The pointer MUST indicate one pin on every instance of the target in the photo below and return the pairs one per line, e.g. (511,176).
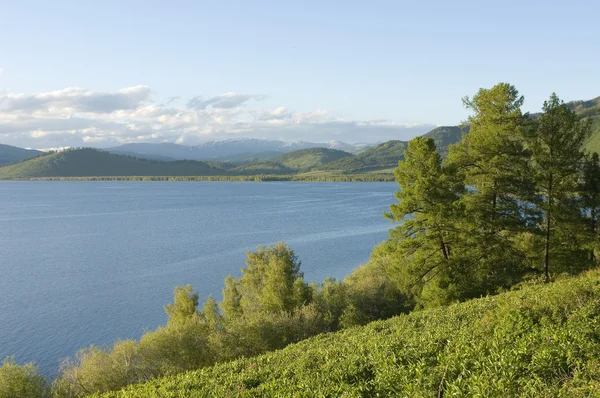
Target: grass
(541,341)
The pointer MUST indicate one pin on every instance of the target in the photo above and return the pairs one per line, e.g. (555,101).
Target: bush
(21,381)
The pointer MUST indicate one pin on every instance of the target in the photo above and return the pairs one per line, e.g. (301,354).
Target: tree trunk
(444,249)
(548,225)
(593,230)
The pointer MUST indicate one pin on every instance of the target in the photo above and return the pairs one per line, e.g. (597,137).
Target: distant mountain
(12,154)
(234,150)
(91,162)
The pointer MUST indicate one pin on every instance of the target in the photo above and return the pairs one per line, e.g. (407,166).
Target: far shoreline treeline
(379,177)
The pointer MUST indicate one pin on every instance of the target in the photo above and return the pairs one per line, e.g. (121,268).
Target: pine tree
(493,163)
(424,240)
(555,145)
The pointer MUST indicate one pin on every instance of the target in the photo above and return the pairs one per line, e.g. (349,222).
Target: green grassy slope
(541,341)
(11,154)
(293,162)
(90,162)
(306,159)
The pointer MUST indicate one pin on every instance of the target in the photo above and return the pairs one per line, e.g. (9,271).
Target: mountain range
(231,150)
(240,157)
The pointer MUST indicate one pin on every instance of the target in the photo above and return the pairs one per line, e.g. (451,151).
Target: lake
(92,262)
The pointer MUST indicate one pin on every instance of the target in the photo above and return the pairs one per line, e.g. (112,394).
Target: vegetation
(21,381)
(514,204)
(311,158)
(267,308)
(541,341)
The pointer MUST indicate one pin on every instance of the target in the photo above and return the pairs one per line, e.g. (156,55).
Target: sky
(103,73)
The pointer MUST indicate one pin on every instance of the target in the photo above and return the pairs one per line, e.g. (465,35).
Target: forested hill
(12,154)
(92,162)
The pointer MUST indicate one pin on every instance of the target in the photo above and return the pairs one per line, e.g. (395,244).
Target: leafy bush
(21,381)
(542,341)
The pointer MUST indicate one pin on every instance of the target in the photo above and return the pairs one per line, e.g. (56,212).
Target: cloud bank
(78,117)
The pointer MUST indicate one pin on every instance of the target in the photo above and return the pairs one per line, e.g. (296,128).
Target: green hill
(541,341)
(294,162)
(91,162)
(311,158)
(585,108)
(444,136)
(380,157)
(12,154)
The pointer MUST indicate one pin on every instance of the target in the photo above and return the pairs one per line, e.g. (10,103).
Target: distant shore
(374,177)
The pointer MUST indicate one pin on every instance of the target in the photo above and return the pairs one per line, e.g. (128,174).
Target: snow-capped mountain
(230,149)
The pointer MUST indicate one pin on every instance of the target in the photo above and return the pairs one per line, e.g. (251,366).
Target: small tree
(21,381)
(271,281)
(183,308)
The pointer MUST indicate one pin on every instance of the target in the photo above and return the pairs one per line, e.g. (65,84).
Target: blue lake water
(91,262)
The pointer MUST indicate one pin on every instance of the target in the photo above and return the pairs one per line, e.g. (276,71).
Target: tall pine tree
(556,144)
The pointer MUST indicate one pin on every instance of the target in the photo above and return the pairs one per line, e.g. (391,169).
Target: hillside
(12,154)
(380,157)
(541,341)
(444,136)
(585,108)
(91,162)
(299,161)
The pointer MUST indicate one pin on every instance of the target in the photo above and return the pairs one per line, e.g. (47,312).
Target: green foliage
(424,240)
(183,308)
(268,281)
(21,380)
(509,199)
(539,341)
(555,144)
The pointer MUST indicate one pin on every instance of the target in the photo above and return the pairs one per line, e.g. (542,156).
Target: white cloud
(224,101)
(74,99)
(77,117)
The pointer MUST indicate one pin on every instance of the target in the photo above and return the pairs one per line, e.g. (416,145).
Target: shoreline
(251,178)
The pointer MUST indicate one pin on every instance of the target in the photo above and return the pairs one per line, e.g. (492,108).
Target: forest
(513,205)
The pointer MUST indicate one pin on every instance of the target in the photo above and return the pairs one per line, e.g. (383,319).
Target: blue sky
(194,71)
